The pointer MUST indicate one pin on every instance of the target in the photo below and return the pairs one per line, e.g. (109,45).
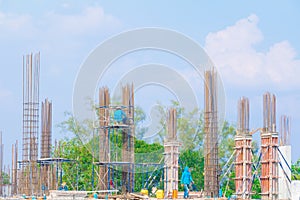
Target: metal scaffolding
(111,156)
(269,146)
(29,172)
(243,160)
(211,156)
(171,146)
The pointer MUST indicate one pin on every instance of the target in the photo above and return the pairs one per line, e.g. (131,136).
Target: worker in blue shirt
(186,180)
(120,116)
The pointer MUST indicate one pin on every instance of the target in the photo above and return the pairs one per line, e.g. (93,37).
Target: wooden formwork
(243,147)
(269,166)
(243,166)
(269,145)
(171,154)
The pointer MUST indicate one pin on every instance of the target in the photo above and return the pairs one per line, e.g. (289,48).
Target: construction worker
(112,185)
(120,116)
(63,186)
(186,180)
(95,195)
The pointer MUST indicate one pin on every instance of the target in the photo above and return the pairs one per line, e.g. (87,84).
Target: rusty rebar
(285,130)
(243,160)
(211,156)
(269,145)
(31,75)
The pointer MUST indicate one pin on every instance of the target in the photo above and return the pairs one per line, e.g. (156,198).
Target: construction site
(37,172)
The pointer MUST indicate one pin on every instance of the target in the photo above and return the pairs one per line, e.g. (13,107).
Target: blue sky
(254,44)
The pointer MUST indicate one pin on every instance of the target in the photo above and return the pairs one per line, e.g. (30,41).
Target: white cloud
(11,23)
(64,37)
(66,5)
(233,51)
(4,94)
(91,19)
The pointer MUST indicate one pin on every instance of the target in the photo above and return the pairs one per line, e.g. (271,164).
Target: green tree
(193,159)
(77,172)
(296,170)
(5,178)
(82,143)
(189,126)
(139,118)
(190,129)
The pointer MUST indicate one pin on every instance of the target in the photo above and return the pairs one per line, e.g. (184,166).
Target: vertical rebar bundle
(14,165)
(128,137)
(211,156)
(46,122)
(104,101)
(243,163)
(171,147)
(46,177)
(285,159)
(172,125)
(285,130)
(243,116)
(269,111)
(269,145)
(109,129)
(31,76)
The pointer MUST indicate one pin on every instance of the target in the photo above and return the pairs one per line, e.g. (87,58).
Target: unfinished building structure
(269,146)
(47,171)
(111,156)
(46,136)
(34,175)
(28,176)
(284,150)
(211,156)
(14,164)
(104,102)
(171,154)
(243,155)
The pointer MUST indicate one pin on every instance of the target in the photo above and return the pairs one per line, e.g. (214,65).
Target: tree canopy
(190,129)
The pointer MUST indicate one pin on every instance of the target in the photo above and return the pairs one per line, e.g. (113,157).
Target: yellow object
(144,192)
(160,194)
(174,194)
